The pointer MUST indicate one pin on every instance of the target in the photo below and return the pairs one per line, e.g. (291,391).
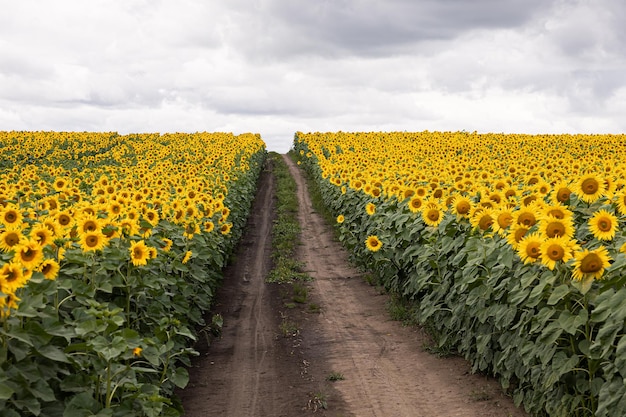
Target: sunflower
(503,220)
(415,204)
(620,200)
(11,216)
(29,254)
(64,219)
(187,257)
(603,225)
(557,249)
(50,269)
(9,238)
(529,248)
(42,235)
(482,219)
(370,208)
(89,223)
(92,241)
(12,277)
(561,193)
(372,243)
(225,228)
(190,230)
(590,263)
(516,234)
(461,206)
(340,218)
(589,188)
(167,244)
(432,215)
(551,227)
(7,303)
(209,226)
(526,216)
(139,253)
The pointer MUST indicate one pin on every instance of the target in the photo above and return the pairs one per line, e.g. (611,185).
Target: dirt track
(254,370)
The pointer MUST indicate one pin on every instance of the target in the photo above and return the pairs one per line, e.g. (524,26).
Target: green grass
(286,228)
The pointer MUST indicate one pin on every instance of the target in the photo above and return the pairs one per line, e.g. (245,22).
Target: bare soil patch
(257,368)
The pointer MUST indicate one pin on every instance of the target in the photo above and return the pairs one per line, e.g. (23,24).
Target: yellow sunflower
(432,215)
(50,269)
(225,228)
(12,277)
(89,223)
(167,244)
(29,254)
(482,219)
(561,193)
(526,216)
(9,238)
(516,234)
(620,200)
(529,249)
(551,227)
(462,206)
(11,216)
(372,243)
(590,263)
(139,253)
(190,230)
(340,218)
(415,204)
(92,241)
(209,226)
(370,208)
(603,225)
(187,257)
(557,249)
(589,188)
(42,235)
(503,220)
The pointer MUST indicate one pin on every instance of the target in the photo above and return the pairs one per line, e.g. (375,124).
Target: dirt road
(254,370)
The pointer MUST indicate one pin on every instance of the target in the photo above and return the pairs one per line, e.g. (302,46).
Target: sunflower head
(373,243)
(590,263)
(529,249)
(603,225)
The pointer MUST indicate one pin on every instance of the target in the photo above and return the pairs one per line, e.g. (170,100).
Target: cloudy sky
(275,67)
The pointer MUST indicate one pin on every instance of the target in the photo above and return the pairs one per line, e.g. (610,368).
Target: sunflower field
(510,249)
(110,249)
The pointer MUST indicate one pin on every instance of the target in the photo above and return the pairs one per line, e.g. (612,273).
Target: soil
(334,353)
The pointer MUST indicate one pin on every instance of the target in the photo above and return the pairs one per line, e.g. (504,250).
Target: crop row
(510,247)
(110,249)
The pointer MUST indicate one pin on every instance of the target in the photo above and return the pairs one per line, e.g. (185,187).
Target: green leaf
(180,377)
(5,391)
(558,293)
(53,353)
